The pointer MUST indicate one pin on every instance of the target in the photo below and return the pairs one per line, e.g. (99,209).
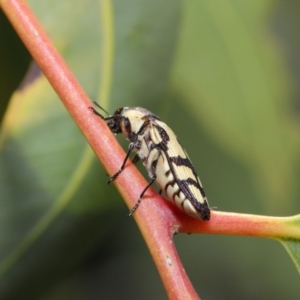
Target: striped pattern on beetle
(163,157)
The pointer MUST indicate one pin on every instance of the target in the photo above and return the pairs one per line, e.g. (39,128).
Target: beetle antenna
(101,107)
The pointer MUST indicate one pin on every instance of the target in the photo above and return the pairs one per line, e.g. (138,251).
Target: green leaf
(290,238)
(292,246)
(230,75)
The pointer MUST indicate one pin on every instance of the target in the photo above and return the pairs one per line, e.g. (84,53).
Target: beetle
(165,160)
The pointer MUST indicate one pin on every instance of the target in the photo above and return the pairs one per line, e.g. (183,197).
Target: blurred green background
(223,74)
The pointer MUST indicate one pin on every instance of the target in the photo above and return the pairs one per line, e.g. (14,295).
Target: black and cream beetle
(163,157)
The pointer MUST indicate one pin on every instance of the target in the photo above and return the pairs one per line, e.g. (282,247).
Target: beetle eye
(114,126)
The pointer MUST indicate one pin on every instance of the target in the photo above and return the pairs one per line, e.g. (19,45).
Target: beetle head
(114,121)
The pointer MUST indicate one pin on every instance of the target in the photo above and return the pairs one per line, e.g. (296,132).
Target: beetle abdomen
(178,190)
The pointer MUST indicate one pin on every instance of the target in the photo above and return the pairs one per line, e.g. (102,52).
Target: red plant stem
(153,217)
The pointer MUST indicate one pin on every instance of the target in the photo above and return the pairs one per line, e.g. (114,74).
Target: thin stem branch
(246,225)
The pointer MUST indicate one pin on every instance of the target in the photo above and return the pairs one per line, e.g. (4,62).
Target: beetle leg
(153,178)
(131,147)
(141,196)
